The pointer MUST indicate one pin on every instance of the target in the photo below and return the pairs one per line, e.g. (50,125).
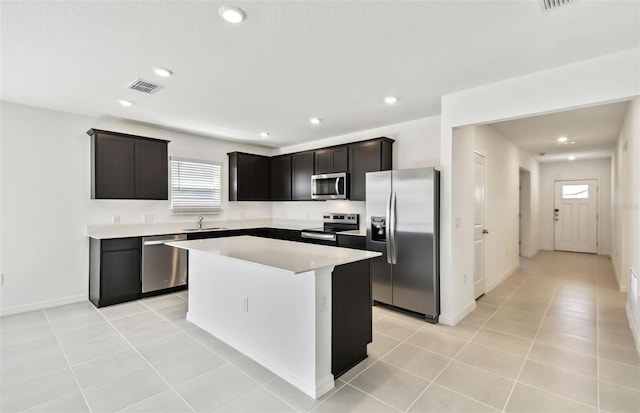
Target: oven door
(330,186)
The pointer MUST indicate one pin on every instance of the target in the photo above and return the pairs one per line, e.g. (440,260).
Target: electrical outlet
(245,304)
(148,218)
(2,279)
(465,277)
(115,219)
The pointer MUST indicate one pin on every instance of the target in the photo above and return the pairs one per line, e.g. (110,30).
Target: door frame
(484,218)
(553,206)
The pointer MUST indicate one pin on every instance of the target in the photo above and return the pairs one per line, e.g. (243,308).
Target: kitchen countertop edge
(149,230)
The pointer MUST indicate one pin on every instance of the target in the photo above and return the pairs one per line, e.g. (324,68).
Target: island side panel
(279,319)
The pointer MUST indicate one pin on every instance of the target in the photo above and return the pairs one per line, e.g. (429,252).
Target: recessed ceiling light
(232,14)
(562,139)
(125,103)
(315,121)
(391,100)
(573,142)
(264,134)
(161,71)
(572,158)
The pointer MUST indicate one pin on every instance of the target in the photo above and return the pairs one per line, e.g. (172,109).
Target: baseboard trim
(452,321)
(634,330)
(43,304)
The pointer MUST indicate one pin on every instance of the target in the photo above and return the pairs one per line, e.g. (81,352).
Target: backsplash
(313,210)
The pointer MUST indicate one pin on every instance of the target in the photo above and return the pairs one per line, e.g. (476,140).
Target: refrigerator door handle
(392,230)
(388,230)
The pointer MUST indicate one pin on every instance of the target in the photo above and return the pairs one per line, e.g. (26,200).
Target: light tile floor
(553,337)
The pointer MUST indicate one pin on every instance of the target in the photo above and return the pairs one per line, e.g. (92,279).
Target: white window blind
(196,186)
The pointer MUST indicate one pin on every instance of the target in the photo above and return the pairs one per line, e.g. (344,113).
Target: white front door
(575,216)
(478,222)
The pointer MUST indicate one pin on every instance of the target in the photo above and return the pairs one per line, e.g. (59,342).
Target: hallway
(552,337)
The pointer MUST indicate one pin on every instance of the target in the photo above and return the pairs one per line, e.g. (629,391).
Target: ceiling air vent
(144,86)
(553,4)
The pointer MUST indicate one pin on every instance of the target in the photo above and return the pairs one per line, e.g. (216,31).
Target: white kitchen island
(271,300)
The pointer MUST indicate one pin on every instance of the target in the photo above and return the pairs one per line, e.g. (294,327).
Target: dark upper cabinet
(248,177)
(367,156)
(280,168)
(331,160)
(151,169)
(128,166)
(301,171)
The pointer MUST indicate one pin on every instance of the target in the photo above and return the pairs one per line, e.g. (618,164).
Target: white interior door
(575,217)
(479,173)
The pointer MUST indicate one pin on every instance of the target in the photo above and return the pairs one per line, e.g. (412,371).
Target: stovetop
(335,222)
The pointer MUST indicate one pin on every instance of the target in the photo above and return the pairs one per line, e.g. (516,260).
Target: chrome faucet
(200,219)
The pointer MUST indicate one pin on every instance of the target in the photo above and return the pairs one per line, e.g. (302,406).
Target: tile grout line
(263,385)
(452,359)
(150,365)
(533,341)
(64,353)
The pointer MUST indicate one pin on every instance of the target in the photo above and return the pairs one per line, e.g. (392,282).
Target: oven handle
(315,235)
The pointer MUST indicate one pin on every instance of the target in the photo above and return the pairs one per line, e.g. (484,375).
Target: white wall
(44,248)
(417,144)
(46,205)
(626,208)
(598,169)
(503,163)
(604,79)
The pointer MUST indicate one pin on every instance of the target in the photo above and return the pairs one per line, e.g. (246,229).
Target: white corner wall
(598,169)
(626,212)
(604,79)
(46,206)
(502,206)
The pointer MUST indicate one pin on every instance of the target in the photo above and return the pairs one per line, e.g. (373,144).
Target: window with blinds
(196,186)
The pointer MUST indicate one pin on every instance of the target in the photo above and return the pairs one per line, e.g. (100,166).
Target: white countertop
(144,230)
(296,257)
(355,232)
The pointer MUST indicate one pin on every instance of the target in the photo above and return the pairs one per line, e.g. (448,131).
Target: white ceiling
(289,60)
(594,130)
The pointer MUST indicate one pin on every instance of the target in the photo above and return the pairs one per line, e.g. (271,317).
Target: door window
(575,191)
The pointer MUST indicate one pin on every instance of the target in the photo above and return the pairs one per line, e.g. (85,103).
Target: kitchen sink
(202,229)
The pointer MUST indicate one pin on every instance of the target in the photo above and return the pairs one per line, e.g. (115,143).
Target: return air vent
(144,86)
(553,4)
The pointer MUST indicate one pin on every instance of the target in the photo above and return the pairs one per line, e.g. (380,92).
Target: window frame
(215,209)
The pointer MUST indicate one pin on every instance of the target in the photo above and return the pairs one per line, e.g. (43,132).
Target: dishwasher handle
(163,239)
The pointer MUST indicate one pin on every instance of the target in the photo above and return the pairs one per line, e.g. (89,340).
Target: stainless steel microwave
(330,186)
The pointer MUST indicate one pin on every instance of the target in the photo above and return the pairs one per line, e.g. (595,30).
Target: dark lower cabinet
(351,321)
(114,272)
(301,172)
(352,241)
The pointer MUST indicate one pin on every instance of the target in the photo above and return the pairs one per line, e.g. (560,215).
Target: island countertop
(290,256)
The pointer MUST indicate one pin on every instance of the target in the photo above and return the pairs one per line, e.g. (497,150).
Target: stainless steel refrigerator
(403,224)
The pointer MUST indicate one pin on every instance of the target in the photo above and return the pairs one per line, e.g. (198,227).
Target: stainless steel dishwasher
(163,266)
